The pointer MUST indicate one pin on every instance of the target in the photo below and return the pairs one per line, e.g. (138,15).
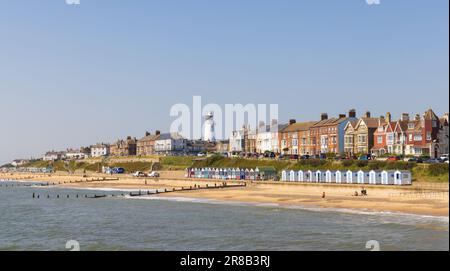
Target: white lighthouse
(209,134)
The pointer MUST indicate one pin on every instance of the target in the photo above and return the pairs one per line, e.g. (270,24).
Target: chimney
(367,115)
(388,117)
(381,120)
(323,116)
(342,116)
(417,117)
(158,132)
(128,137)
(352,113)
(405,117)
(292,121)
(147,133)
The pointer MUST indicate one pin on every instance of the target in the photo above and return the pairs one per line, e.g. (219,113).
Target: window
(428,135)
(411,125)
(380,139)
(417,137)
(294,142)
(410,137)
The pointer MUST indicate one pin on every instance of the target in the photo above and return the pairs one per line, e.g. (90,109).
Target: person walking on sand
(323,195)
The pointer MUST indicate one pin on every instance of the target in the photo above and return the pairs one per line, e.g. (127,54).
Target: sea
(76,221)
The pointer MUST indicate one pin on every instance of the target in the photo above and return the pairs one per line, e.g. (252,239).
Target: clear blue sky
(77,75)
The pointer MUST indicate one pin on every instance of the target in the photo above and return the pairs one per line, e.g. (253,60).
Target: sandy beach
(421,198)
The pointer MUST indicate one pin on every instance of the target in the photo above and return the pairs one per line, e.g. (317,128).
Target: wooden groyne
(141,193)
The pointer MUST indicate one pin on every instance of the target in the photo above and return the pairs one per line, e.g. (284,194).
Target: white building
(100,150)
(53,156)
(170,143)
(237,141)
(209,133)
(267,137)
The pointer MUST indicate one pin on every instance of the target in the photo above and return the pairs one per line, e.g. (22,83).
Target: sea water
(182,224)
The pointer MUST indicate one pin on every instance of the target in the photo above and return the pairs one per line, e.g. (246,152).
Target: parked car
(415,160)
(154,174)
(393,158)
(364,158)
(139,174)
(201,154)
(118,170)
(294,157)
(433,161)
(305,157)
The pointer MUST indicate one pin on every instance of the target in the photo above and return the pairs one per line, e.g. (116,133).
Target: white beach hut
(317,176)
(363,177)
(300,176)
(284,176)
(374,177)
(293,176)
(329,176)
(257,174)
(309,176)
(349,176)
(402,177)
(388,177)
(338,176)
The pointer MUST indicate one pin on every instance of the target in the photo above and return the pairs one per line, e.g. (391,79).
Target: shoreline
(430,201)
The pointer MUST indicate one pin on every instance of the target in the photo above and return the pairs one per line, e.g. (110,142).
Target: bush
(437,169)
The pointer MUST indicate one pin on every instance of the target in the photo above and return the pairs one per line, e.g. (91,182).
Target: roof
(329,122)
(429,115)
(371,122)
(166,136)
(299,126)
(149,138)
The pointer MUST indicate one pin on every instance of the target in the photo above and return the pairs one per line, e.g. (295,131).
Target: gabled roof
(430,115)
(369,122)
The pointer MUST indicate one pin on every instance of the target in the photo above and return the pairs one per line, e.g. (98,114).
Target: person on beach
(323,195)
(356,194)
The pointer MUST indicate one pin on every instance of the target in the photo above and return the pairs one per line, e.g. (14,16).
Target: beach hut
(284,175)
(229,173)
(363,177)
(247,174)
(267,173)
(338,176)
(257,176)
(318,176)
(329,176)
(242,174)
(388,177)
(402,177)
(349,176)
(233,174)
(309,176)
(300,176)
(375,177)
(252,174)
(292,176)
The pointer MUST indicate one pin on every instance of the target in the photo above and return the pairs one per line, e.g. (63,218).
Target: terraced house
(146,145)
(295,139)
(125,147)
(328,135)
(361,134)
(427,135)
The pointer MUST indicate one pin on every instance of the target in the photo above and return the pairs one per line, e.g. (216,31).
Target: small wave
(391,217)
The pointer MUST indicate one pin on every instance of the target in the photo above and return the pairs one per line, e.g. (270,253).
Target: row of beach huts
(260,173)
(385,177)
